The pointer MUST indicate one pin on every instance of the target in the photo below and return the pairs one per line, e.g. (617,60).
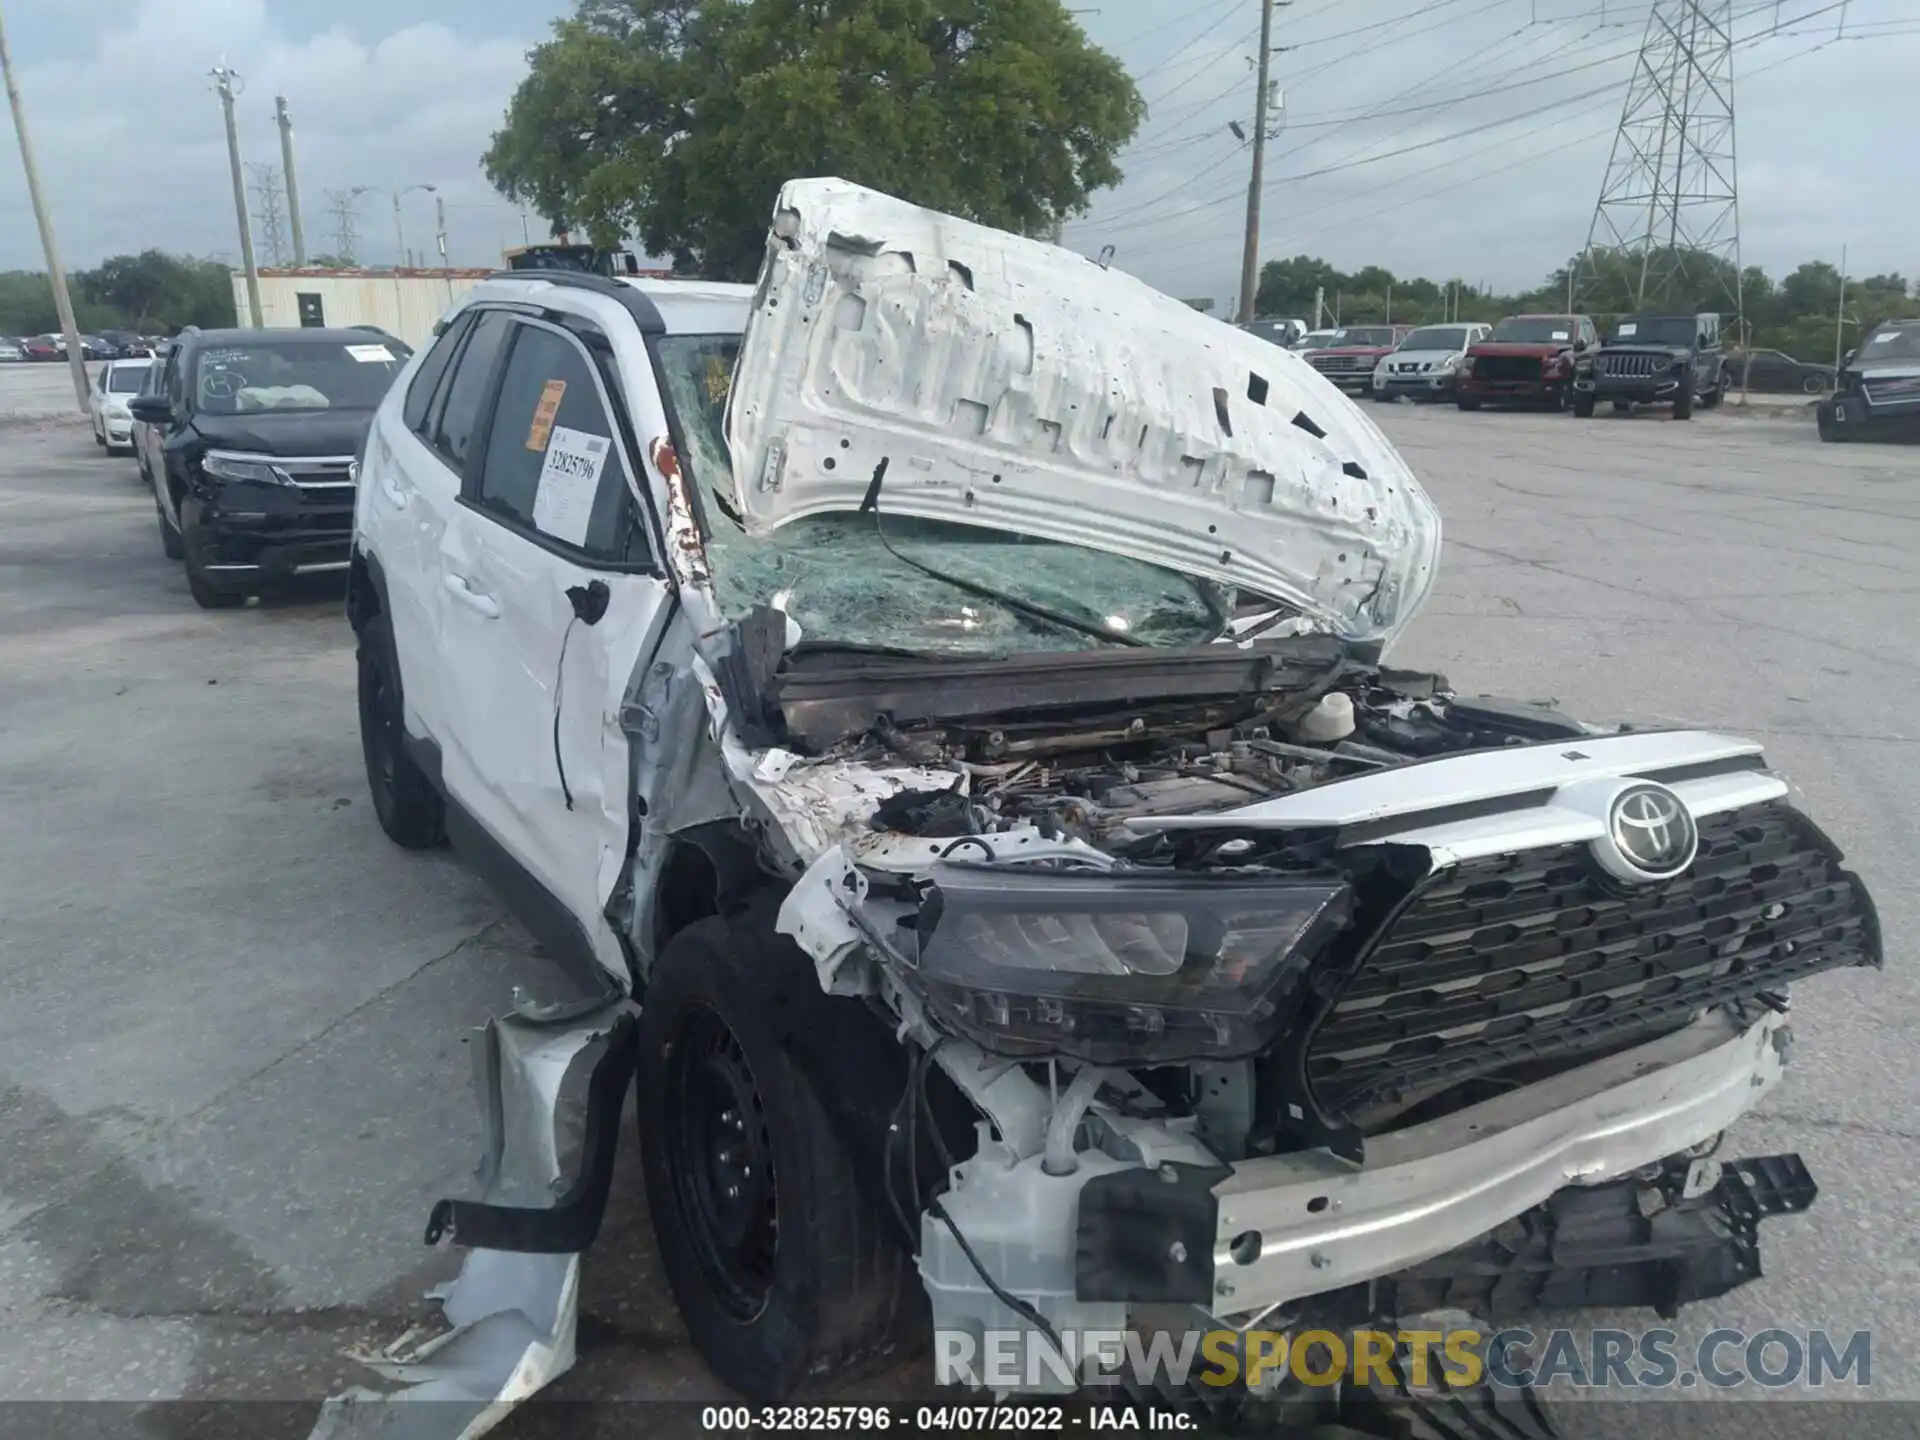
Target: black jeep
(1878,389)
(1654,360)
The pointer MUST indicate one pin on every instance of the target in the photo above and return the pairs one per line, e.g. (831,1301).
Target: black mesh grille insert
(1525,956)
(1506,369)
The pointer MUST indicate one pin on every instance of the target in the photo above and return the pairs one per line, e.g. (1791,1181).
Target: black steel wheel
(405,802)
(722,1162)
(784,1269)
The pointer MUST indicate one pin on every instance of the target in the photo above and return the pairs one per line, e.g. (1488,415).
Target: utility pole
(1250,254)
(223,79)
(285,122)
(266,190)
(62,302)
(1840,319)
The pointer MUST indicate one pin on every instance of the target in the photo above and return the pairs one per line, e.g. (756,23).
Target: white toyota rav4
(933,703)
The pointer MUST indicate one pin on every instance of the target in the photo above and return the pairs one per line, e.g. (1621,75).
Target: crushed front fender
(514,1306)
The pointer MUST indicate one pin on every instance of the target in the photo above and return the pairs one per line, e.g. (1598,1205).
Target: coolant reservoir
(1329,720)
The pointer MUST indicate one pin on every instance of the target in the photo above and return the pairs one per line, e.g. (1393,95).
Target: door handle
(396,497)
(461,590)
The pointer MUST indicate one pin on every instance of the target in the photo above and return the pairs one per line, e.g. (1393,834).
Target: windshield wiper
(871,501)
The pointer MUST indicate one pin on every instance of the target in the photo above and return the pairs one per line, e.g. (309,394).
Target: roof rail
(635,301)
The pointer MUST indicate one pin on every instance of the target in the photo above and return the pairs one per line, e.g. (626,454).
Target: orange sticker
(542,428)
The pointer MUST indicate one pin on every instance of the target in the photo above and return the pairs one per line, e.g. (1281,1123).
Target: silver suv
(931,704)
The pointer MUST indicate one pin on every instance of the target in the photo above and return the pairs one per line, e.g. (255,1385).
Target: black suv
(1654,360)
(260,434)
(1878,388)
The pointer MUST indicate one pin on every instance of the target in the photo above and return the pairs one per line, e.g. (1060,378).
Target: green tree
(155,290)
(678,120)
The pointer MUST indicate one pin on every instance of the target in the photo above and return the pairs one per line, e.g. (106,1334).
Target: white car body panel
(1014,385)
(108,408)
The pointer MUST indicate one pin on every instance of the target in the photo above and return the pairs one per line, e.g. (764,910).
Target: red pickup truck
(1527,361)
(1350,359)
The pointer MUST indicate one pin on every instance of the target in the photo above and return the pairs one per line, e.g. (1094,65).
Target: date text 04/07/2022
(940,1419)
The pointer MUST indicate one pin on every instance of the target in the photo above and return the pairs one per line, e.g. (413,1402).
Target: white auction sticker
(1559,334)
(371,354)
(1627,330)
(569,479)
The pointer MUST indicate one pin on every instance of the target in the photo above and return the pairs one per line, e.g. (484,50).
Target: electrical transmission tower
(344,240)
(271,201)
(1666,230)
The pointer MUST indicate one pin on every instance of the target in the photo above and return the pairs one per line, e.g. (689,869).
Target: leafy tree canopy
(147,293)
(679,120)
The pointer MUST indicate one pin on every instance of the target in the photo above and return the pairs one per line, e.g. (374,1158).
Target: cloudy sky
(1451,138)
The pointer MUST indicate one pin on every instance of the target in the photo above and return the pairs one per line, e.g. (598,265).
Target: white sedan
(114,384)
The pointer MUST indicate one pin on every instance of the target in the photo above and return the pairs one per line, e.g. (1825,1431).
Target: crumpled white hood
(1012,384)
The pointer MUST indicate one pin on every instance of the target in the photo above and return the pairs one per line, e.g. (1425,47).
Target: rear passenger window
(426,379)
(452,432)
(551,463)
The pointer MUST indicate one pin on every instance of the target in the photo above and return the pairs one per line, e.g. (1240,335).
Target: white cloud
(142,161)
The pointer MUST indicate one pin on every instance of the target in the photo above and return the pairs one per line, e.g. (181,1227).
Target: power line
(1125,220)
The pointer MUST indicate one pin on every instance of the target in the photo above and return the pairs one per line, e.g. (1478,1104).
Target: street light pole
(223,79)
(62,302)
(399,230)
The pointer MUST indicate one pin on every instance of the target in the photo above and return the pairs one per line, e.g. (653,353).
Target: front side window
(458,418)
(426,380)
(861,579)
(284,377)
(552,463)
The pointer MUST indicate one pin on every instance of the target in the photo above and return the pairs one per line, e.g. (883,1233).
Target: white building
(403,302)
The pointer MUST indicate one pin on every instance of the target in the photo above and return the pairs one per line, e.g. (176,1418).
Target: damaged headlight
(228,465)
(1119,969)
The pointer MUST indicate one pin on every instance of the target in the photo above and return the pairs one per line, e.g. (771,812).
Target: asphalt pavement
(234,1061)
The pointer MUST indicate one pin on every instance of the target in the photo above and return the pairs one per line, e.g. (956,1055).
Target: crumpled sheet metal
(513,1315)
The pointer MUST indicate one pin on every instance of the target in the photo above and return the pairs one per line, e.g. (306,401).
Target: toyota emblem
(1649,833)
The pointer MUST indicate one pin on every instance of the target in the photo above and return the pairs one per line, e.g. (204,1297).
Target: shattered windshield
(258,376)
(847,580)
(1892,342)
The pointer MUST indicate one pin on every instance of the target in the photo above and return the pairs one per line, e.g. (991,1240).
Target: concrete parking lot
(233,1059)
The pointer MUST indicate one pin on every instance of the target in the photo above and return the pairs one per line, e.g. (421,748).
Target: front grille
(1507,369)
(1411,367)
(1532,955)
(1342,364)
(325,472)
(1902,391)
(1634,366)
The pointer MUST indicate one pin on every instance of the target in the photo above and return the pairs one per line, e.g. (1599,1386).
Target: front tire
(405,802)
(206,593)
(1683,405)
(787,1276)
(1583,406)
(1463,402)
(170,545)
(1830,432)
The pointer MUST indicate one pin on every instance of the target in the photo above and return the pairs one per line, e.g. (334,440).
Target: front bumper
(252,533)
(1471,387)
(1298,1225)
(1853,413)
(1639,390)
(1416,387)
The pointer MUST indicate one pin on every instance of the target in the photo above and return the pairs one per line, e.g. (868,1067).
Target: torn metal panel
(513,1310)
(1016,386)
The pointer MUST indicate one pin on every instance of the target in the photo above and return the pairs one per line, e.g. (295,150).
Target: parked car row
(1560,362)
(250,441)
(109,345)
